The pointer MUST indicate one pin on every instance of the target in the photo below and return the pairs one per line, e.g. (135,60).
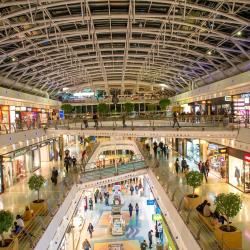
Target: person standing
(175,119)
(177,166)
(167,152)
(150,238)
(90,230)
(183,164)
(200,165)
(67,163)
(95,118)
(136,209)
(155,147)
(160,230)
(130,209)
(85,121)
(90,204)
(207,167)
(203,170)
(74,161)
(131,189)
(54,175)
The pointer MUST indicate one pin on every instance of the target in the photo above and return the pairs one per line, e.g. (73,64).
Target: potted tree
(194,179)
(229,206)
(103,109)
(164,103)
(35,183)
(6,220)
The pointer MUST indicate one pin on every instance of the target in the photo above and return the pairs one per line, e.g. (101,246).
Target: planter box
(39,208)
(192,203)
(229,240)
(12,246)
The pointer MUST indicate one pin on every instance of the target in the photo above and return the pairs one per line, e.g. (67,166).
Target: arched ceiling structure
(48,45)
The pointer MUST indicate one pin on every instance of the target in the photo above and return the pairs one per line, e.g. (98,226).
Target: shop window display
(217,156)
(236,172)
(193,150)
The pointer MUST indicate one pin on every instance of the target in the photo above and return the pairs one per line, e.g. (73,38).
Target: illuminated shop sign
(247,157)
(246,95)
(156,217)
(228,98)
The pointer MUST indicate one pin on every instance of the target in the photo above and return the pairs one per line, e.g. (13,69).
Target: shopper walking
(130,209)
(74,161)
(167,152)
(67,160)
(54,175)
(86,245)
(150,238)
(177,166)
(90,230)
(136,209)
(207,165)
(85,122)
(90,204)
(200,165)
(132,189)
(155,148)
(203,170)
(95,118)
(183,164)
(175,119)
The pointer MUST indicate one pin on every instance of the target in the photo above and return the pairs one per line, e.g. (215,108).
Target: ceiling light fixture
(209,53)
(239,33)
(13,59)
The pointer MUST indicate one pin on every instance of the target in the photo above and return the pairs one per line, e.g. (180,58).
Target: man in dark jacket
(150,238)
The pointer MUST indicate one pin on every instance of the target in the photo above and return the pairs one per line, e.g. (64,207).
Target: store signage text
(156,217)
(247,157)
(228,98)
(150,202)
(246,95)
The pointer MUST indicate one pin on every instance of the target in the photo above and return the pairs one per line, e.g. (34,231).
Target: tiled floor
(136,229)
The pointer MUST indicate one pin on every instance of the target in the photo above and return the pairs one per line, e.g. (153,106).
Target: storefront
(218,160)
(1,175)
(241,106)
(193,149)
(239,169)
(4,116)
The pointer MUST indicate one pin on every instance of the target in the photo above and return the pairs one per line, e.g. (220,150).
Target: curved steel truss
(127,44)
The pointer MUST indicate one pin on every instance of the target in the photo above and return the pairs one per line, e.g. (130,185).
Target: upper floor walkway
(215,129)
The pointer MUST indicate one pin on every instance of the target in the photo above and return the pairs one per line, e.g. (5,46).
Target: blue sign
(61,114)
(157,210)
(150,202)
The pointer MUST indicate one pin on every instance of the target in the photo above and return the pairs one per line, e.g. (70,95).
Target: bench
(207,222)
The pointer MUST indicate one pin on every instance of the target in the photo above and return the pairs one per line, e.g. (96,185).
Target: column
(146,189)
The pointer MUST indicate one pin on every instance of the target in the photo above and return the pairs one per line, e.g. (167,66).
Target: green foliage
(164,103)
(151,107)
(194,179)
(102,108)
(78,109)
(228,205)
(68,108)
(6,219)
(128,107)
(36,182)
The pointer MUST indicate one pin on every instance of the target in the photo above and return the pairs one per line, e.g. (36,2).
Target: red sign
(247,157)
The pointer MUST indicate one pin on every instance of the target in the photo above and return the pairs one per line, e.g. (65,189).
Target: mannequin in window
(237,175)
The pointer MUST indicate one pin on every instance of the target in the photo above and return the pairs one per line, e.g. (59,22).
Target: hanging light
(209,52)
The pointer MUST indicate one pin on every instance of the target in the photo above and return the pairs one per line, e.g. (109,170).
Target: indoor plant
(35,183)
(164,103)
(229,206)
(6,221)
(103,109)
(194,179)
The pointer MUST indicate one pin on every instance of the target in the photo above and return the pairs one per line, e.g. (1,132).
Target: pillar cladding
(1,175)
(146,189)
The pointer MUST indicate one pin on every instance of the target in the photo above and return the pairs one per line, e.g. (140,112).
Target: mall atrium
(125,124)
